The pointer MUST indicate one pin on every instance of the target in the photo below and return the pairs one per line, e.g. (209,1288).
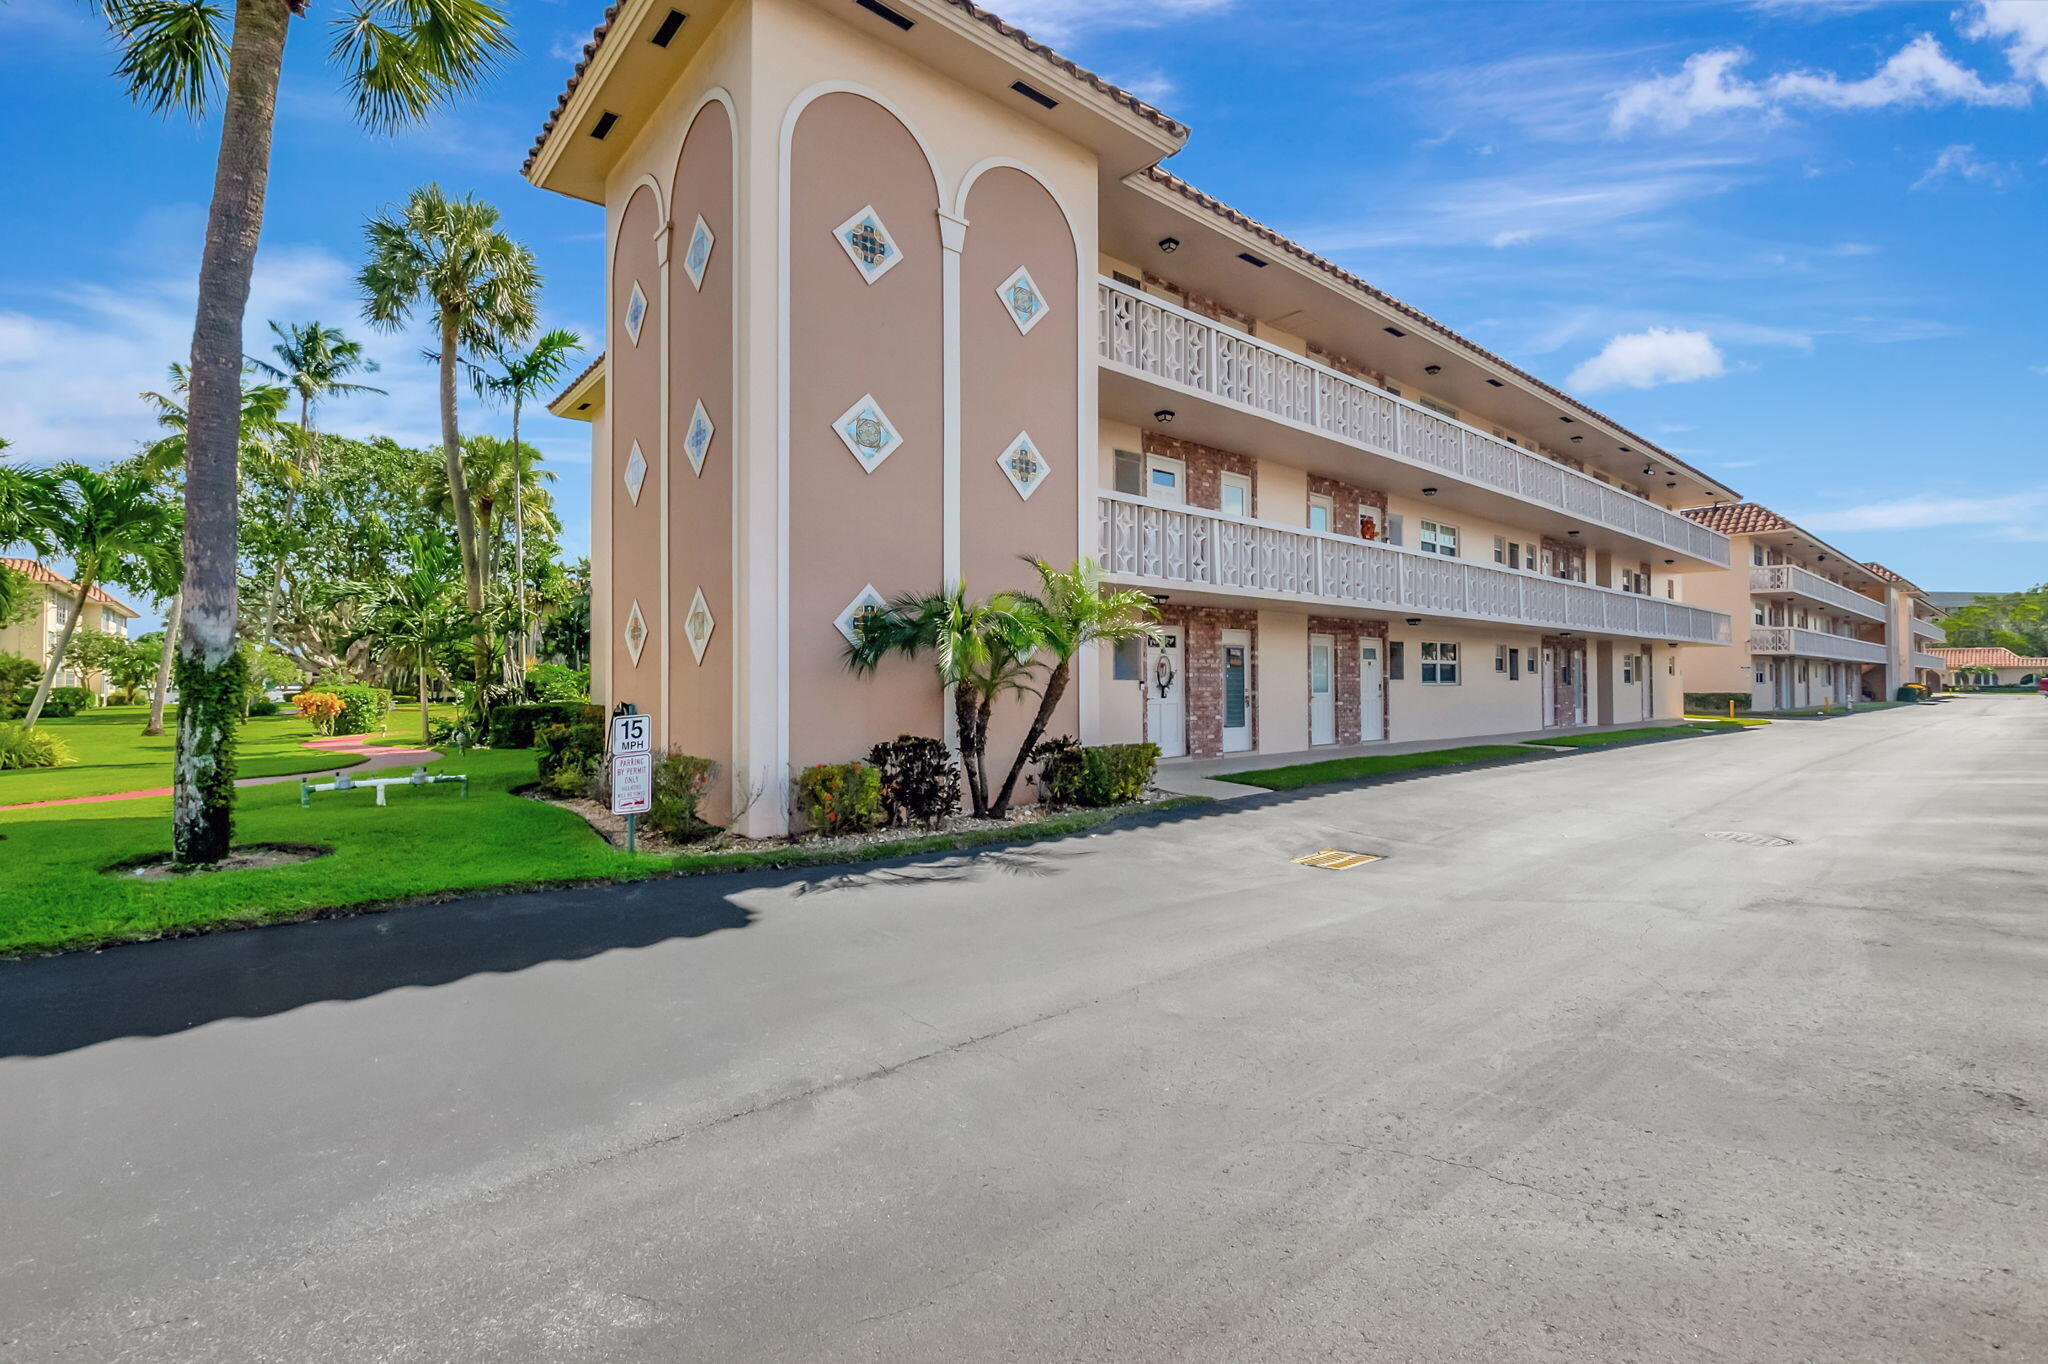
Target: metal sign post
(632,746)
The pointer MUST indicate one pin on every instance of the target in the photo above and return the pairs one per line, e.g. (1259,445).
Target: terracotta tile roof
(967,7)
(1293,248)
(1881,571)
(35,571)
(1741,518)
(571,386)
(1982,658)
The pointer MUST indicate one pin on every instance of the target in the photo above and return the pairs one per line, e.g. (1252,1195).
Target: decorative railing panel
(1927,629)
(1790,578)
(1163,542)
(1793,641)
(1177,346)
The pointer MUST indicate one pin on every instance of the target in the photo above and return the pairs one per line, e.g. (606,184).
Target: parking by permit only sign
(632,783)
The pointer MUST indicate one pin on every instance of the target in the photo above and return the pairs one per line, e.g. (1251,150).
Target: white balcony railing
(1931,662)
(1790,640)
(1178,347)
(1927,629)
(1161,542)
(1791,579)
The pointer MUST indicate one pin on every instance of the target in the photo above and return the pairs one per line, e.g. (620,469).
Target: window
(1129,664)
(1440,664)
(1759,677)
(1628,670)
(1756,613)
(1439,539)
(1130,473)
(1438,408)
(1322,512)
(1500,549)
(1121,278)
(1756,555)
(1234,498)
(1397,527)
(1500,658)
(1397,660)
(1514,665)
(1166,480)
(1529,557)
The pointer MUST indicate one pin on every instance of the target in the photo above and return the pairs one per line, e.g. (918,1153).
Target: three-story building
(897,296)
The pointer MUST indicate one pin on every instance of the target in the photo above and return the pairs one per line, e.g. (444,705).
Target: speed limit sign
(632,734)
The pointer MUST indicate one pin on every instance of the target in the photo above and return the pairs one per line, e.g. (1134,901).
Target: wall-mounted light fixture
(1169,244)
(1429,492)
(1432,369)
(1415,620)
(1163,416)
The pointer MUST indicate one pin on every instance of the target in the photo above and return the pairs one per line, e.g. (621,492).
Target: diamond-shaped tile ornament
(636,473)
(1023,465)
(867,432)
(697,440)
(862,608)
(1023,300)
(699,254)
(868,244)
(698,625)
(636,313)
(636,633)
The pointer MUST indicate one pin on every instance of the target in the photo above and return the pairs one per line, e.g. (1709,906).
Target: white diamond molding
(636,632)
(636,313)
(867,433)
(1024,465)
(867,600)
(867,243)
(636,473)
(1023,300)
(697,439)
(698,626)
(699,255)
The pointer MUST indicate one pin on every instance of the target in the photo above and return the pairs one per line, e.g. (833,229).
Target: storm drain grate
(1752,840)
(1335,859)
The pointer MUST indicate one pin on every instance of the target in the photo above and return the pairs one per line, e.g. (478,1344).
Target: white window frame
(1438,663)
(1327,506)
(1628,670)
(1500,550)
(1500,658)
(1241,482)
(1437,537)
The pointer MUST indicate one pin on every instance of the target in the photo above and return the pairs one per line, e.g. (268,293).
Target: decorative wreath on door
(1162,673)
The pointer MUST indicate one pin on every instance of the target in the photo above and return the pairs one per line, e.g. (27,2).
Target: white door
(1550,707)
(1166,720)
(1237,691)
(1371,695)
(1322,689)
(1166,480)
(1643,670)
(1235,495)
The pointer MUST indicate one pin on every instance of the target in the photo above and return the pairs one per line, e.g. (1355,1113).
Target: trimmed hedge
(569,755)
(519,726)
(841,798)
(679,785)
(1715,702)
(1070,773)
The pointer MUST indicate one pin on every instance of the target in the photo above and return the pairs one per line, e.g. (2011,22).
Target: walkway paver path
(375,756)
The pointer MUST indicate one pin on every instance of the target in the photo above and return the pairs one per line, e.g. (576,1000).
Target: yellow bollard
(1731,708)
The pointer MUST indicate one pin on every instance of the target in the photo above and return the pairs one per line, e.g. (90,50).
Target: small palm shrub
(1070,773)
(920,780)
(30,748)
(841,798)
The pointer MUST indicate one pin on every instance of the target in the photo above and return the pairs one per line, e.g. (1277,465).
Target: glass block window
(697,439)
(1021,298)
(636,633)
(867,432)
(636,313)
(863,608)
(698,625)
(867,244)
(1023,465)
(699,254)
(636,473)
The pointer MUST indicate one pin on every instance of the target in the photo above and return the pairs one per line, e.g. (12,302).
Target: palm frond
(174,53)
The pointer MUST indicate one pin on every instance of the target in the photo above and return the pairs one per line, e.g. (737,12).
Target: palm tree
(31,508)
(398,61)
(1070,611)
(120,526)
(415,612)
(479,285)
(983,652)
(164,461)
(520,375)
(314,362)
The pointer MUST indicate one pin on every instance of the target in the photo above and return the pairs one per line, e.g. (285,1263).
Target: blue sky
(1798,241)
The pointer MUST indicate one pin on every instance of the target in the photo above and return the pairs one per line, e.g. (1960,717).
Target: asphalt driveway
(1718,1049)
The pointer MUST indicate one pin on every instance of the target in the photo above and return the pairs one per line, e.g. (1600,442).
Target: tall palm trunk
(163,666)
(86,573)
(519,535)
(422,679)
(209,671)
(1055,688)
(465,515)
(308,466)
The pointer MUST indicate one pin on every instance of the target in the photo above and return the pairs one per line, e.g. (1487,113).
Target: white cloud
(1514,237)
(2022,25)
(1062,21)
(1960,160)
(1154,87)
(1708,84)
(2015,513)
(1661,355)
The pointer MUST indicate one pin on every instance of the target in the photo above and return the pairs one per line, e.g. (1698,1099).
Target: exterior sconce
(1169,244)
(1429,492)
(1432,369)
(1163,415)
(1415,620)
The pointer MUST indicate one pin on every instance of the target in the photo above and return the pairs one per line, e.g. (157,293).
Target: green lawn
(1746,721)
(1647,734)
(1376,765)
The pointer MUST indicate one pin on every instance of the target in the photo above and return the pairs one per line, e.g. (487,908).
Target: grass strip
(1649,734)
(1370,765)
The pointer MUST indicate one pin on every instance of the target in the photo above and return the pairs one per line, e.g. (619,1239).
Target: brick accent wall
(1566,556)
(1344,364)
(1202,630)
(1206,466)
(1200,304)
(1349,634)
(1350,500)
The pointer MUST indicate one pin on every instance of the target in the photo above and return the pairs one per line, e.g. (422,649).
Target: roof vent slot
(666,34)
(1393,331)
(1035,95)
(882,11)
(603,127)
(1249,259)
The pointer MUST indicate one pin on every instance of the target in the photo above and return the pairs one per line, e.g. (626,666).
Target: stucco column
(662,236)
(952,241)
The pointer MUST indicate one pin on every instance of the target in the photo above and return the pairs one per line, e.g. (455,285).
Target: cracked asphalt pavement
(1563,1078)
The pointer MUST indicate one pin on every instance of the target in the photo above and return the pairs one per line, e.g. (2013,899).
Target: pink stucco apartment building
(897,295)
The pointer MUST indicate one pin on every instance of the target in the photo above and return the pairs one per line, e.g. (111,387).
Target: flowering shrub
(321,707)
(920,781)
(841,798)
